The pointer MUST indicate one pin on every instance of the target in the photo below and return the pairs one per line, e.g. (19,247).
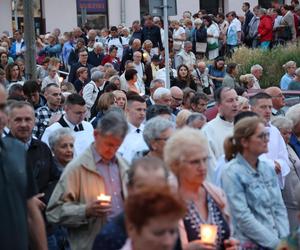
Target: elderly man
(261,104)
(96,56)
(204,82)
(176,100)
(19,207)
(134,141)
(76,110)
(129,51)
(39,156)
(99,170)
(186,56)
(148,171)
(218,129)
(154,85)
(257,71)
(139,65)
(162,96)
(278,101)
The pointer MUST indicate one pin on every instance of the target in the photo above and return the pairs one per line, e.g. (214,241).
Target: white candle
(104,198)
(208,233)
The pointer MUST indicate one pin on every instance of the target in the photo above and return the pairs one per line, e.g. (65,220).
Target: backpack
(94,109)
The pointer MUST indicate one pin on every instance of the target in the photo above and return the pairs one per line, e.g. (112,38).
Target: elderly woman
(156,132)
(199,38)
(290,193)
(247,81)
(290,68)
(61,142)
(243,104)
(90,92)
(196,120)
(295,84)
(121,99)
(152,216)
(293,114)
(206,204)
(182,117)
(251,185)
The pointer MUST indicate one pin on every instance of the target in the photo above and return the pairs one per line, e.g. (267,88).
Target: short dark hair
(197,97)
(13,91)
(111,48)
(218,93)
(134,97)
(113,28)
(110,87)
(75,99)
(240,90)
(247,4)
(31,86)
(156,110)
(129,73)
(49,85)
(243,115)
(230,67)
(259,96)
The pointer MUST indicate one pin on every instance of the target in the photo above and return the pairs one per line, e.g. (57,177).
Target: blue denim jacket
(258,212)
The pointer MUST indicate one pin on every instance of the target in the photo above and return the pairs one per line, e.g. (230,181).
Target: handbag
(201,47)
(212,46)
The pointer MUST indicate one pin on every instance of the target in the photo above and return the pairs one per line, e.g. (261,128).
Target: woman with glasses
(186,153)
(251,185)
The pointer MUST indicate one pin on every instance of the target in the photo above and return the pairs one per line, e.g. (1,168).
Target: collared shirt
(257,209)
(232,32)
(113,186)
(133,143)
(19,46)
(42,118)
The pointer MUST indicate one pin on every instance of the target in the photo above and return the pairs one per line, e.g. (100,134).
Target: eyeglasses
(264,135)
(162,139)
(177,99)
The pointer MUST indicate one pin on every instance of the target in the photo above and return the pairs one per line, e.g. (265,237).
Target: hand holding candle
(208,233)
(104,198)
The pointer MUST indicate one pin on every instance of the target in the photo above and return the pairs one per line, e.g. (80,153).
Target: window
(211,6)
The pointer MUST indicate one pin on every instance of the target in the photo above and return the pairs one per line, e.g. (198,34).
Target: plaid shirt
(42,118)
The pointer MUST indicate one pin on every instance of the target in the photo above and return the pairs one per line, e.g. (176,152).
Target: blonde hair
(178,146)
(182,117)
(289,64)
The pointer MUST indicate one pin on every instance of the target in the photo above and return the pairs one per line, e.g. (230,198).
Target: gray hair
(114,78)
(187,43)
(293,114)
(256,67)
(289,64)
(98,44)
(155,81)
(97,75)
(56,135)
(282,123)
(154,127)
(195,117)
(113,123)
(297,72)
(198,21)
(160,92)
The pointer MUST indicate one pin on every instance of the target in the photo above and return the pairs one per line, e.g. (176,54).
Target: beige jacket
(79,184)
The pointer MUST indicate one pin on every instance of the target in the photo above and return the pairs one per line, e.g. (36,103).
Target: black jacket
(153,34)
(73,76)
(95,59)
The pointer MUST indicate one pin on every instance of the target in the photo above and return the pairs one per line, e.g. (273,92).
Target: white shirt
(116,41)
(161,74)
(216,131)
(89,94)
(83,138)
(277,152)
(133,143)
(140,69)
(256,84)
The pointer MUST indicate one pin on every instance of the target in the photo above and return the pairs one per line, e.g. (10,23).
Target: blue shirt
(285,81)
(294,142)
(258,212)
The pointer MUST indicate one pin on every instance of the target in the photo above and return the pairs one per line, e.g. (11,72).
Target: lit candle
(208,233)
(104,198)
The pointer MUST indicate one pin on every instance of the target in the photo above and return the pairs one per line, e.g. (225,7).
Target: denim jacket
(258,212)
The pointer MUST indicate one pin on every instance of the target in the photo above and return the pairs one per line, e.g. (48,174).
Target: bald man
(277,100)
(203,80)
(176,100)
(129,51)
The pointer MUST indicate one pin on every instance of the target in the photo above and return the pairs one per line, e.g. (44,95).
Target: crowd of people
(97,152)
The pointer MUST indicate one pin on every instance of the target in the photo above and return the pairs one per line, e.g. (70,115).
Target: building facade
(67,14)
